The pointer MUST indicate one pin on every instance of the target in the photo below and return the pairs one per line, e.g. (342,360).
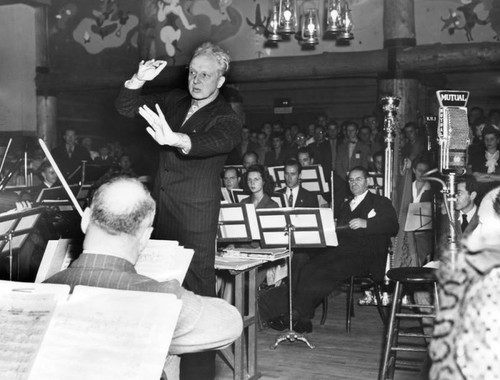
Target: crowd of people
(198,134)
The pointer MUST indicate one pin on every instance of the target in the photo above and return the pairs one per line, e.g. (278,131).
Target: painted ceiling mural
(99,33)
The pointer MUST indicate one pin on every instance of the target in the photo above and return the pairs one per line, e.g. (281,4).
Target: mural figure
(260,23)
(471,18)
(494,18)
(108,27)
(452,22)
(169,34)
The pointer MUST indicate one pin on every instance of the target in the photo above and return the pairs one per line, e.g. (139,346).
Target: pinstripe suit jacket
(197,327)
(187,186)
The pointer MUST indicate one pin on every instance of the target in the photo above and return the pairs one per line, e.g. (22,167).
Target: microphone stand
(290,335)
(448,189)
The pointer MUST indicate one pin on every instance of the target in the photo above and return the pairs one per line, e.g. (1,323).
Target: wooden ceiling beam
(436,58)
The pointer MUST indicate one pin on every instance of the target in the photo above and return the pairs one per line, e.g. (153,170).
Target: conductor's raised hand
(158,126)
(148,70)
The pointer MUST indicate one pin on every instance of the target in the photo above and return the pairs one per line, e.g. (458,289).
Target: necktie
(290,199)
(465,222)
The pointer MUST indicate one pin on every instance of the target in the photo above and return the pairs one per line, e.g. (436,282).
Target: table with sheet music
(243,359)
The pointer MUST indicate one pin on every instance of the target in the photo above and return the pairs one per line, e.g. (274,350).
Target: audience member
(70,155)
(414,145)
(484,164)
(304,157)
(87,144)
(365,137)
(332,131)
(250,158)
(352,152)
(321,151)
(262,147)
(277,155)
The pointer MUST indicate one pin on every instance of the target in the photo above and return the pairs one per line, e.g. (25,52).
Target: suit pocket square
(372,213)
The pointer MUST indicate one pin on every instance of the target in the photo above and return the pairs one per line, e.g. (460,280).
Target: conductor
(196,131)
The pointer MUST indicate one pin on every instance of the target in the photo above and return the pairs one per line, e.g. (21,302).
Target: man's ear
(221,81)
(84,224)
(143,241)
(473,196)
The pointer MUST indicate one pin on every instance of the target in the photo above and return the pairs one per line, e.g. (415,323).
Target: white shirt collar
(469,214)
(357,200)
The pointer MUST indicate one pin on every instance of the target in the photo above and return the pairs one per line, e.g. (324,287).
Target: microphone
(453,131)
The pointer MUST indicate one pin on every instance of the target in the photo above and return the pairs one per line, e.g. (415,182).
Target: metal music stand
(233,226)
(295,227)
(312,178)
(15,229)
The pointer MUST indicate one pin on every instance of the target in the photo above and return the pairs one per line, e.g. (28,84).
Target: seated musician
(297,196)
(364,227)
(261,187)
(117,227)
(231,178)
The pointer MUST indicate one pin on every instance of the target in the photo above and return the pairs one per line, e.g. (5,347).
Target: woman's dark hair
(266,177)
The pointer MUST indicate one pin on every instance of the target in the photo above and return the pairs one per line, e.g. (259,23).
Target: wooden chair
(350,300)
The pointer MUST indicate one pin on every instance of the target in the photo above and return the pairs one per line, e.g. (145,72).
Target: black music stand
(15,229)
(234,226)
(312,178)
(295,227)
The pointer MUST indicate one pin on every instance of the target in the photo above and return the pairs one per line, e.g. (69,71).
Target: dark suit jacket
(187,187)
(360,157)
(304,198)
(67,164)
(272,160)
(322,154)
(371,242)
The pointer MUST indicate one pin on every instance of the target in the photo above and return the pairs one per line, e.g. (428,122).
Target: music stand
(297,227)
(234,226)
(312,178)
(237,195)
(15,229)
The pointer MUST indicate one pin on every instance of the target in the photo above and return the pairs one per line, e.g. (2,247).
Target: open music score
(161,260)
(93,333)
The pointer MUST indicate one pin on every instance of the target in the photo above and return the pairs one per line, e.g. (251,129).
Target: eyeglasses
(357,180)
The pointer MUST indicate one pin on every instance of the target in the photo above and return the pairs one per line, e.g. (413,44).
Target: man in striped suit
(117,227)
(196,131)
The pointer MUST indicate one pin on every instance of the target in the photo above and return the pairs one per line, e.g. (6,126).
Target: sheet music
(25,313)
(252,221)
(108,334)
(57,257)
(419,217)
(164,260)
(225,195)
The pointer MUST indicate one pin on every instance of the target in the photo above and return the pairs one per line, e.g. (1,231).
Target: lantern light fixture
(283,21)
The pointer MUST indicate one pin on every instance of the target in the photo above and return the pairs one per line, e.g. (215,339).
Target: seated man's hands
(357,223)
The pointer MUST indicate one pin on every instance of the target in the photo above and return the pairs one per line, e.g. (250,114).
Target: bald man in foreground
(117,228)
